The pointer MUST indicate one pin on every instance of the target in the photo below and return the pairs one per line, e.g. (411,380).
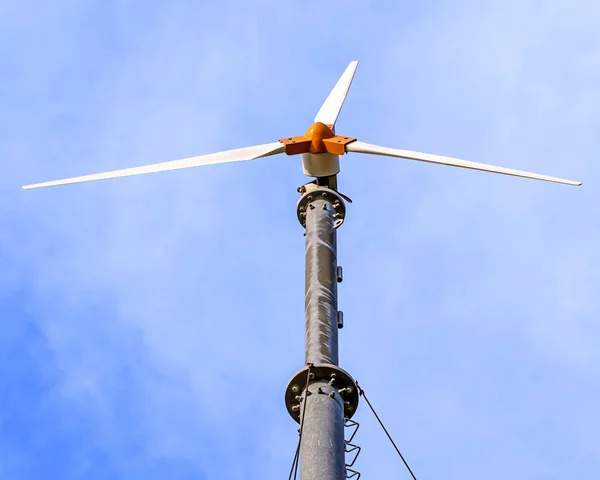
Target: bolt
(320,390)
(311,376)
(336,204)
(298,398)
(301,208)
(331,394)
(309,198)
(295,388)
(295,408)
(325,194)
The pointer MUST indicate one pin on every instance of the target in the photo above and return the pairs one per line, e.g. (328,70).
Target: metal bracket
(337,144)
(353,474)
(296,145)
(340,319)
(350,448)
(339,273)
(348,423)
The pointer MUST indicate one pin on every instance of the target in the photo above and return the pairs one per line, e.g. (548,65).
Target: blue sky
(150,324)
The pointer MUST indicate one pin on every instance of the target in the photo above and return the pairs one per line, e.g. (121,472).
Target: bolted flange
(338,378)
(334,202)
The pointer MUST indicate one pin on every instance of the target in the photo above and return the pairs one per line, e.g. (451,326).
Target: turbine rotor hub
(318,132)
(318,139)
(320,148)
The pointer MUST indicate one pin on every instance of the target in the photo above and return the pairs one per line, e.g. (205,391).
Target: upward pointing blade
(360,147)
(240,154)
(331,108)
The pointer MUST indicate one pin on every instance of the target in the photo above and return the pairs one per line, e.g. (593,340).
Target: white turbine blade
(331,108)
(360,147)
(248,153)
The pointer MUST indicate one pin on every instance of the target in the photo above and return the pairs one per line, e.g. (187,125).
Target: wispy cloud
(159,318)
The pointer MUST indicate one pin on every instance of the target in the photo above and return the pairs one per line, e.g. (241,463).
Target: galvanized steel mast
(331,395)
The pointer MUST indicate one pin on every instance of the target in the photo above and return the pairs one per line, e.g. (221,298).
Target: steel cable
(296,461)
(362,393)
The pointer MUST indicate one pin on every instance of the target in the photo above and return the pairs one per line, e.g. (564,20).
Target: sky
(150,324)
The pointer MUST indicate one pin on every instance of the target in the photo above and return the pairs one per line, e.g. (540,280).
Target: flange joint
(335,376)
(312,193)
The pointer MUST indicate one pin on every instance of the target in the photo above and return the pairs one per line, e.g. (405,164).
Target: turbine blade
(361,147)
(240,154)
(331,108)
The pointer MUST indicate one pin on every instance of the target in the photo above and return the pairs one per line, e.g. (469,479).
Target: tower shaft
(329,398)
(320,301)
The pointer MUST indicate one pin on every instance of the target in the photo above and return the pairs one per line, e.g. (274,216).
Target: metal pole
(320,302)
(322,452)
(331,396)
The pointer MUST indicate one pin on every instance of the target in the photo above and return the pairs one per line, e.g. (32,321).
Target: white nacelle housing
(320,164)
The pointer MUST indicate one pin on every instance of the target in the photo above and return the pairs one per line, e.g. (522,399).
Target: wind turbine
(321,396)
